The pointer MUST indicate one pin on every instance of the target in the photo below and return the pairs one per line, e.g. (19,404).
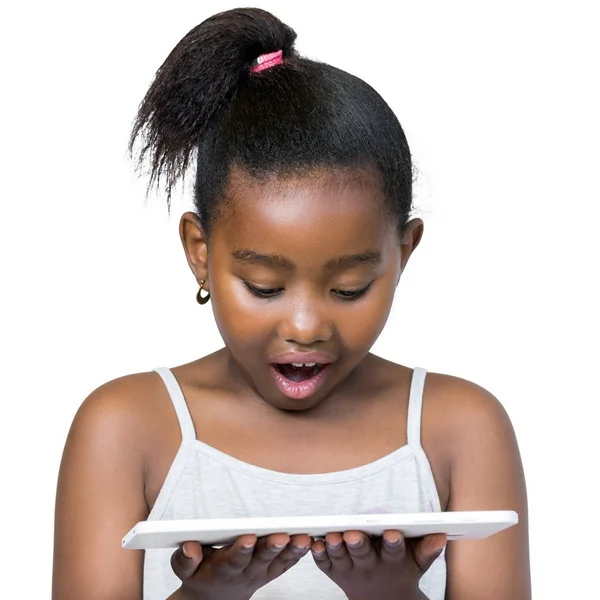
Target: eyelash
(269,294)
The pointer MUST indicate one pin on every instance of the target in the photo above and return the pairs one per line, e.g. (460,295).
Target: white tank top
(206,483)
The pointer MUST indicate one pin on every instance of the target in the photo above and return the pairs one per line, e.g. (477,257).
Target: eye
(350,295)
(263,292)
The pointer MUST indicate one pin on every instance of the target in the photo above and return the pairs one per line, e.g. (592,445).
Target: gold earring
(200,299)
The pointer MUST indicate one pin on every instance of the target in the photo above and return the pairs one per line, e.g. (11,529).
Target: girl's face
(300,270)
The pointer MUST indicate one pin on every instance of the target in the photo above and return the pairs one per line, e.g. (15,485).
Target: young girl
(300,234)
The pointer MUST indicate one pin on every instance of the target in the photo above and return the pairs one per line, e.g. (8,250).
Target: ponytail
(197,83)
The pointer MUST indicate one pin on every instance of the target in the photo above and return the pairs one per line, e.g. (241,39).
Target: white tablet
(219,532)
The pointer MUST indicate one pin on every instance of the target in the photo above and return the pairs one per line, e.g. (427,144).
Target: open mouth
(298,372)
(297,380)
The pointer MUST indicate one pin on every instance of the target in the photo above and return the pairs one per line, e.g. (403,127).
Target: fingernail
(319,553)
(355,544)
(185,552)
(247,548)
(392,540)
(334,546)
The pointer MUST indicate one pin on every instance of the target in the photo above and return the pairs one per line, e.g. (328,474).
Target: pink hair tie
(266,61)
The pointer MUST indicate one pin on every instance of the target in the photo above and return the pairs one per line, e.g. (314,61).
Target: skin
(125,436)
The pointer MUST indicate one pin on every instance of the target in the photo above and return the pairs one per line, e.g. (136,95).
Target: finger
(320,556)
(360,549)
(235,558)
(337,551)
(301,540)
(298,546)
(266,551)
(393,547)
(428,549)
(186,560)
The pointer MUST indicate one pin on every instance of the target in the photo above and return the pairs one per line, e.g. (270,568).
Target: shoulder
(125,411)
(463,409)
(466,433)
(453,410)
(462,418)
(124,398)
(101,489)
(476,435)
(484,472)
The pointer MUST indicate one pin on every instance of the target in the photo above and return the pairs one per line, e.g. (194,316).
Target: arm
(100,497)
(486,474)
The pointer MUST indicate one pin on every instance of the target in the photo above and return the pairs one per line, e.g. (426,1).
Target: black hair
(289,119)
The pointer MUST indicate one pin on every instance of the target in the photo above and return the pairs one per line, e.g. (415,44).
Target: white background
(500,105)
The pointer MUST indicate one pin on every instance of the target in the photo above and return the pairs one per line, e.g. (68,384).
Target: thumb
(428,549)
(186,560)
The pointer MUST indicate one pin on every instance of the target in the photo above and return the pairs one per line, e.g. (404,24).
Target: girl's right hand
(237,571)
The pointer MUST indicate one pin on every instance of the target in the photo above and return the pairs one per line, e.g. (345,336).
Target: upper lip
(320,358)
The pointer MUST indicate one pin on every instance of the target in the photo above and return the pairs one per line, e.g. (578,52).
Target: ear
(413,232)
(195,246)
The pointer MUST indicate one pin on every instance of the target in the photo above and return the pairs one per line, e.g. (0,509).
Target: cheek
(363,324)
(240,317)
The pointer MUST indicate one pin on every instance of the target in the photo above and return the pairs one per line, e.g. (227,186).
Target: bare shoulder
(485,473)
(101,490)
(127,404)
(449,402)
(463,411)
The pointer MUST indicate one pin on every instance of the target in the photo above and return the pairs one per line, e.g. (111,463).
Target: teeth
(303,364)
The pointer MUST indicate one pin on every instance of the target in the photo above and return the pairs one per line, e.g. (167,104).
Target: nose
(306,325)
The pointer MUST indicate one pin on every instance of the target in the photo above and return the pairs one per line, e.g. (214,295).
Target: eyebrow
(368,257)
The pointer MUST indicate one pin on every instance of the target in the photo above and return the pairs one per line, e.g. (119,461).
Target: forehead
(321,214)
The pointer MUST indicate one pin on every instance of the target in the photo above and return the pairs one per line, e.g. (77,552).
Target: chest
(293,445)
(301,445)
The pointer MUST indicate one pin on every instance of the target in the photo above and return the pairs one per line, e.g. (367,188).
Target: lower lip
(299,390)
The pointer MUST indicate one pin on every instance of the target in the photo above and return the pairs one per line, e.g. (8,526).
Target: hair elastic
(266,61)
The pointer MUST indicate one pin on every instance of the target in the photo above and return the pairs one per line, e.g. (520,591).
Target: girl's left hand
(386,568)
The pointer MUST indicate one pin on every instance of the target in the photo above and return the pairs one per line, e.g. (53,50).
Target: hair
(287,120)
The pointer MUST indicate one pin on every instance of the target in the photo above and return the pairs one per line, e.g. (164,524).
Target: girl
(300,234)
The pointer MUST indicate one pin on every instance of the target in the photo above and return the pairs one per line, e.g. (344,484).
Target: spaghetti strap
(415,405)
(188,432)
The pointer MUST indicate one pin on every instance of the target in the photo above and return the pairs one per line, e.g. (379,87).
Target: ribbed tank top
(205,483)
